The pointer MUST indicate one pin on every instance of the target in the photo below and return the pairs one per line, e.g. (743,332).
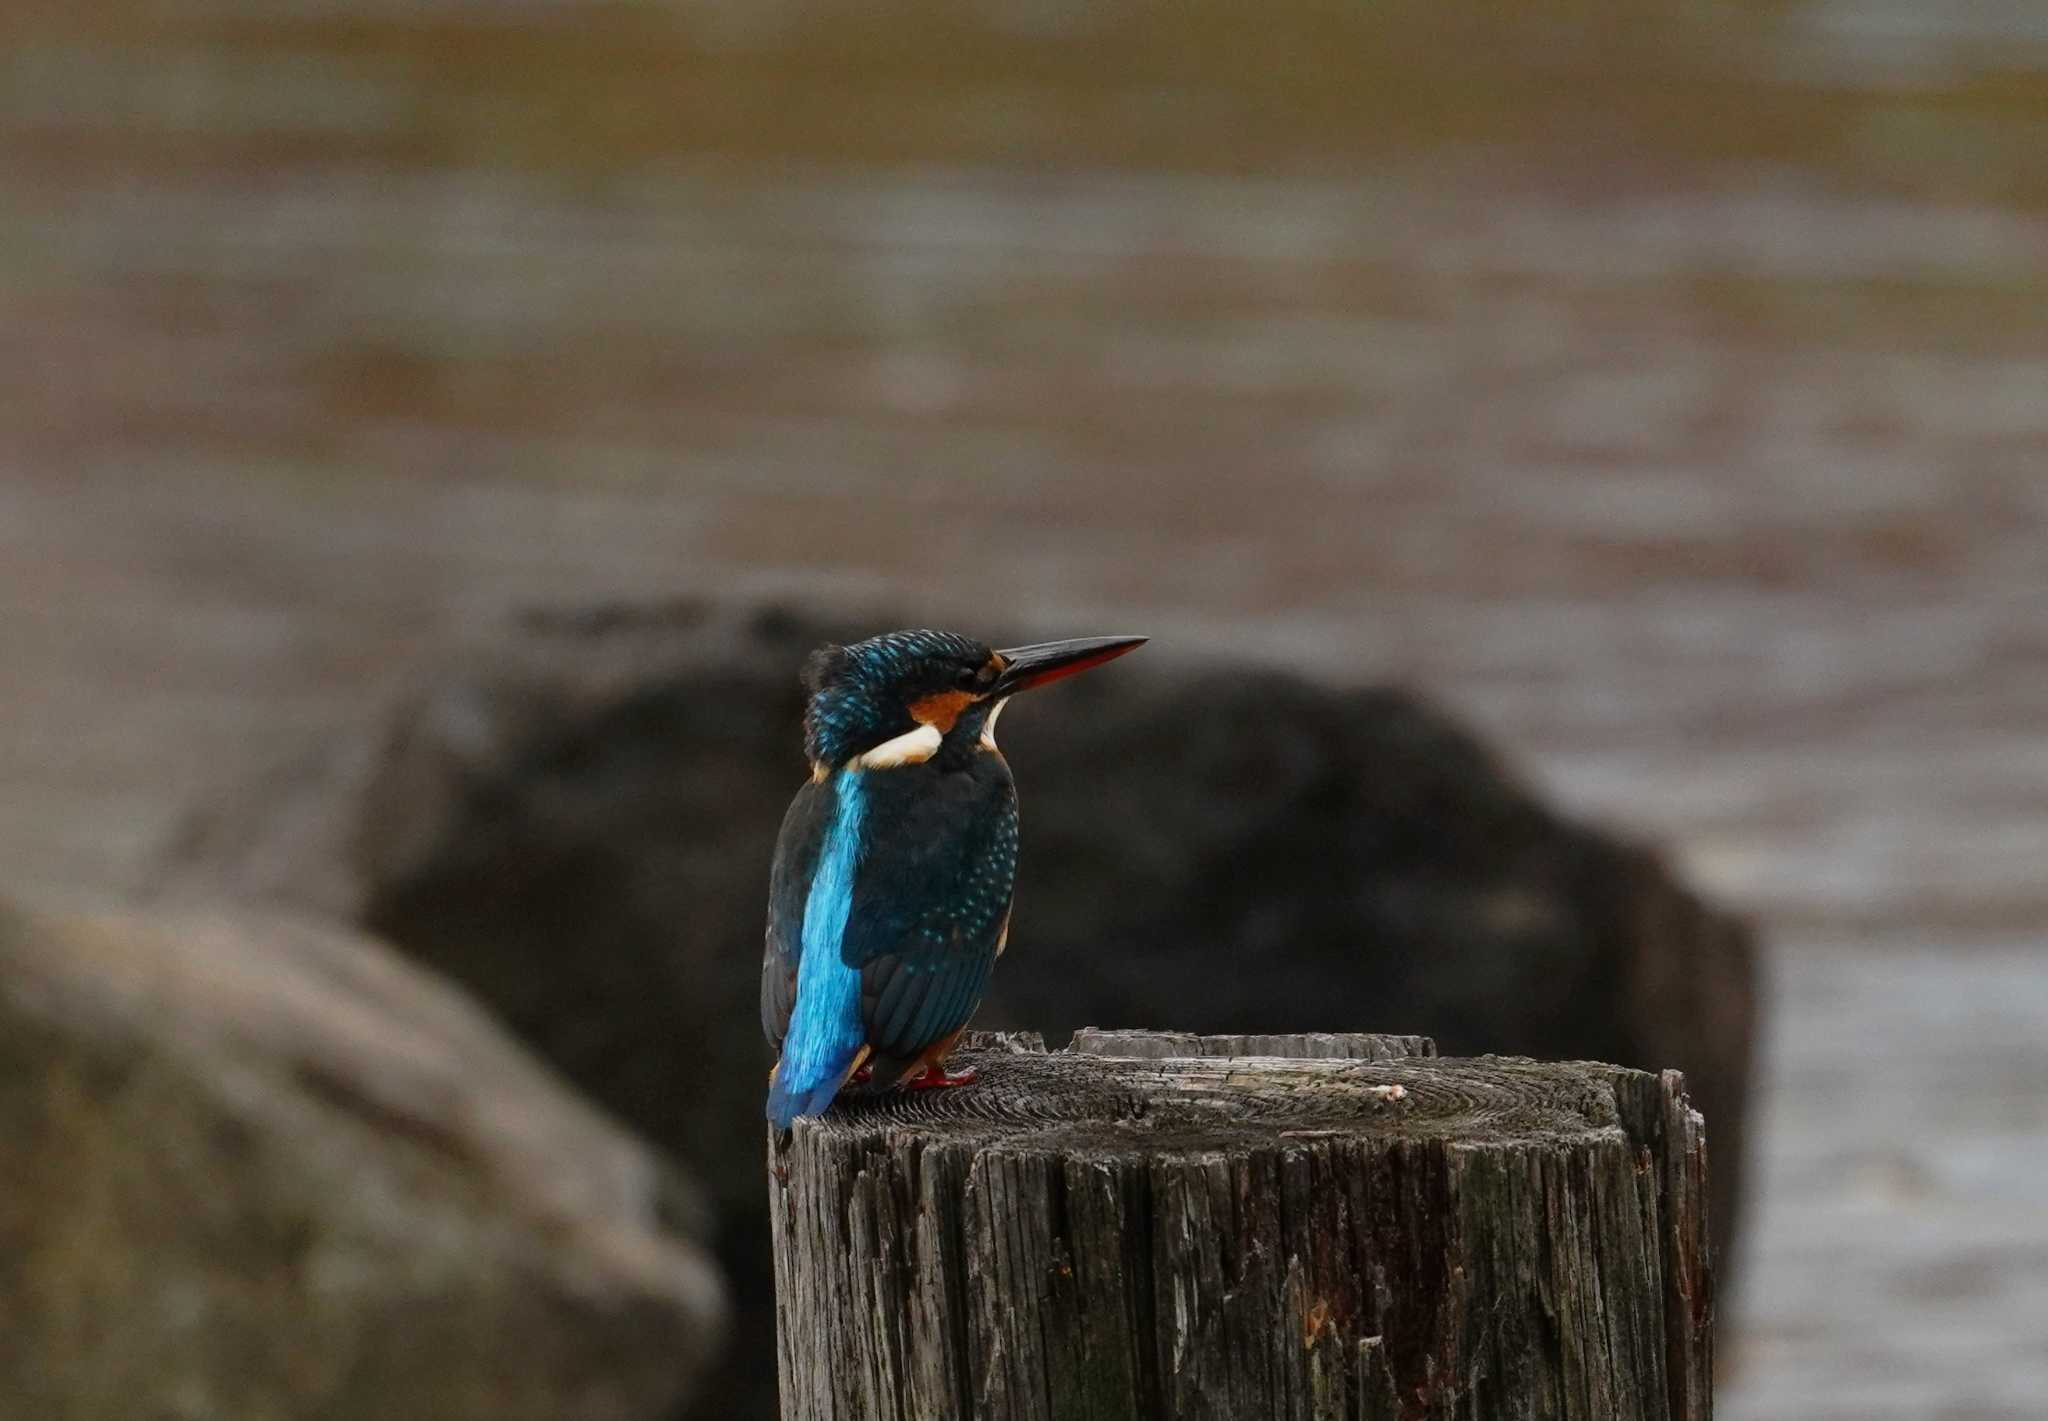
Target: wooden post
(1150,1225)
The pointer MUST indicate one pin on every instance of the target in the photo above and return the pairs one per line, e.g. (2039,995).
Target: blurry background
(1662,387)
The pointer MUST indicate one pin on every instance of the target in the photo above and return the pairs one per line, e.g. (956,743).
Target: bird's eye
(968,676)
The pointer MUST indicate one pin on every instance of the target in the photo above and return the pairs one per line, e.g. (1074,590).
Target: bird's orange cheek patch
(941,709)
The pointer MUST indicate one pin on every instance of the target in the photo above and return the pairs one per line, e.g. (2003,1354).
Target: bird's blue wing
(796,860)
(931,901)
(823,1043)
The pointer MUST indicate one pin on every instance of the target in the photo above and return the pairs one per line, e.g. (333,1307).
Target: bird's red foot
(939,1078)
(861,1076)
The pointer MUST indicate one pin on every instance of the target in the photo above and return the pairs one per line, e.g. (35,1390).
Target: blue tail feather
(825,1031)
(787,1101)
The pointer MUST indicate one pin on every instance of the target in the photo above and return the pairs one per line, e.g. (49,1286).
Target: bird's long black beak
(1028,666)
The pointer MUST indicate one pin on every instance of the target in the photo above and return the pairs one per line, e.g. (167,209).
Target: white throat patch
(913,747)
(988,727)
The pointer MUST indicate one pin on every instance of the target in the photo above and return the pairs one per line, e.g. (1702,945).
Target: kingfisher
(889,899)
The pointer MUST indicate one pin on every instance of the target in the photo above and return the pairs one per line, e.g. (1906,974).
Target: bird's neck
(924,745)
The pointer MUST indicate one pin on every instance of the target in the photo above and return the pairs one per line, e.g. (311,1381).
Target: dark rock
(257,1168)
(578,824)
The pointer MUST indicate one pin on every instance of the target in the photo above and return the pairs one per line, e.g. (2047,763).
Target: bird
(890,890)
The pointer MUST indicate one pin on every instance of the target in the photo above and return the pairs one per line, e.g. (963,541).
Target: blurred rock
(256,1168)
(578,823)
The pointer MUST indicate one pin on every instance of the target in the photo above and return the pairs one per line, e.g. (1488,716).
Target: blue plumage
(825,1027)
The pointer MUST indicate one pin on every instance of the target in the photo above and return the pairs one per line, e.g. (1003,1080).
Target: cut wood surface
(1332,1227)
(1335,1045)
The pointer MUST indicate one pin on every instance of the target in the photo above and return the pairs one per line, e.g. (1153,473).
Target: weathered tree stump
(1338,1227)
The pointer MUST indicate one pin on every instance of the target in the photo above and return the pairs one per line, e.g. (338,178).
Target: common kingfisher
(889,900)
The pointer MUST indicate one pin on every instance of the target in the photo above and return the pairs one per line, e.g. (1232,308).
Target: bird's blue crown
(860,695)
